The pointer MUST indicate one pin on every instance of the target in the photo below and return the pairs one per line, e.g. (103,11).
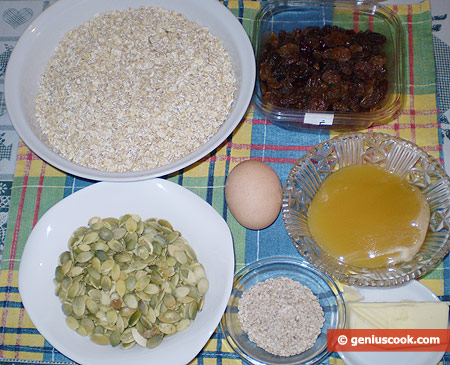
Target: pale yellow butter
(399,315)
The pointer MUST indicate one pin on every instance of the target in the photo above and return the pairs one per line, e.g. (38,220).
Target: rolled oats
(134,89)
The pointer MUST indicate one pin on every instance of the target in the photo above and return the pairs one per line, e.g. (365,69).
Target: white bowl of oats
(126,90)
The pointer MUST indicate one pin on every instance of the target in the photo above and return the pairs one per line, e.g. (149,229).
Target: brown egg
(253,194)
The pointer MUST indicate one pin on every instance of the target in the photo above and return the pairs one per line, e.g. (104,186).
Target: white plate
(199,223)
(414,291)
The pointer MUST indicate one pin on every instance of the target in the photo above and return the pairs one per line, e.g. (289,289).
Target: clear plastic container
(359,16)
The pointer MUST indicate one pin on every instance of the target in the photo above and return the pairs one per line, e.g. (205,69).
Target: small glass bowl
(355,15)
(395,155)
(330,298)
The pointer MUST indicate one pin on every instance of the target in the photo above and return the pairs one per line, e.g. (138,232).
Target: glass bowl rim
(331,286)
(351,275)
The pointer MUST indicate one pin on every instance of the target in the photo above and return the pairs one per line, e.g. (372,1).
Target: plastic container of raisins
(328,64)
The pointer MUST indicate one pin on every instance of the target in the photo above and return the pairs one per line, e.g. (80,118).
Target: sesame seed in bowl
(265,323)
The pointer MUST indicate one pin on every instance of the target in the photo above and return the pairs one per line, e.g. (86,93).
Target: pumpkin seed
(91,237)
(72,322)
(100,339)
(167,328)
(78,306)
(67,309)
(119,233)
(130,301)
(183,324)
(169,317)
(154,341)
(203,286)
(105,234)
(140,340)
(114,338)
(126,281)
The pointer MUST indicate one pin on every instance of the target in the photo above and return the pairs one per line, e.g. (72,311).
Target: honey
(368,217)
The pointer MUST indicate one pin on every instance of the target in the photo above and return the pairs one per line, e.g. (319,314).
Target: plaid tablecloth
(37,186)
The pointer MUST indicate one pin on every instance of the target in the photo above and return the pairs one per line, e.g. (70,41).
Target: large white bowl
(39,41)
(206,231)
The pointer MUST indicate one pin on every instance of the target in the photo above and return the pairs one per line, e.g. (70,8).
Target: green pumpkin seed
(181,291)
(131,301)
(119,233)
(114,338)
(88,324)
(59,274)
(82,331)
(67,309)
(74,289)
(106,283)
(126,281)
(154,341)
(122,257)
(115,245)
(169,317)
(90,237)
(126,346)
(100,246)
(143,296)
(66,283)
(101,255)
(183,324)
(105,234)
(72,322)
(79,306)
(127,336)
(63,258)
(167,328)
(94,273)
(134,318)
(131,225)
(203,286)
(111,316)
(100,339)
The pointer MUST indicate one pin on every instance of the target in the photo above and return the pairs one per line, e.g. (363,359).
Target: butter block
(398,315)
(351,294)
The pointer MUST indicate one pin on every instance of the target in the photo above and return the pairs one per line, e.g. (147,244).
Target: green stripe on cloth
(37,187)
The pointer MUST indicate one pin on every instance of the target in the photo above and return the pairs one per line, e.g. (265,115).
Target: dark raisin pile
(324,69)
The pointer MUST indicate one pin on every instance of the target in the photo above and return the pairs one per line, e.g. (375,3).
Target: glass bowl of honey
(368,209)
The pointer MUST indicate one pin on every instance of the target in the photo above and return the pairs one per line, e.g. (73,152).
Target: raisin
(331,76)
(341,54)
(289,52)
(318,104)
(265,72)
(328,68)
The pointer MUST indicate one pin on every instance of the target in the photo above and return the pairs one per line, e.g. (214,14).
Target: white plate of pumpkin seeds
(105,287)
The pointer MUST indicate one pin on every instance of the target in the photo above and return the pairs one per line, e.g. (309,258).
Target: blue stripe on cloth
(74,184)
(446,277)
(210,183)
(23,330)
(10,304)
(9,289)
(19,348)
(227,170)
(52,355)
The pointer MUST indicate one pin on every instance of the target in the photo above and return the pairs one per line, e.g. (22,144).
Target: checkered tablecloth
(37,186)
